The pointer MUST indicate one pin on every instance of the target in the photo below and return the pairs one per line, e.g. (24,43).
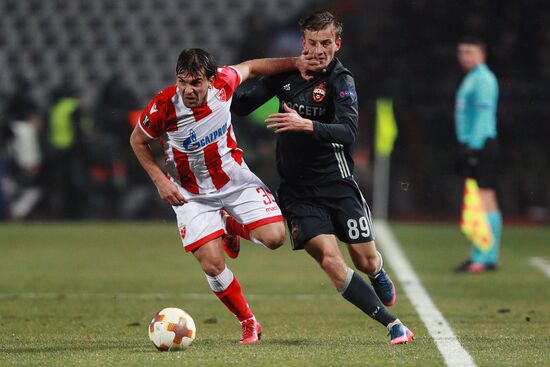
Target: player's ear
(211,80)
(303,42)
(338,43)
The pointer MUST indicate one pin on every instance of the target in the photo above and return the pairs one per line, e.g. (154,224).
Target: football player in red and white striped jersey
(205,172)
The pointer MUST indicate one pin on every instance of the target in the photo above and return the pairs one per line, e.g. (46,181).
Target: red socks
(234,300)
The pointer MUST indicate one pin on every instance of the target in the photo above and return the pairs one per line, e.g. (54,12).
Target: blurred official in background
(476,132)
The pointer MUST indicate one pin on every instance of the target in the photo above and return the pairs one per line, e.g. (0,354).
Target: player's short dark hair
(195,61)
(320,20)
(473,40)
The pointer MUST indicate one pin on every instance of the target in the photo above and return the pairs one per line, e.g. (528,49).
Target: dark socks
(363,296)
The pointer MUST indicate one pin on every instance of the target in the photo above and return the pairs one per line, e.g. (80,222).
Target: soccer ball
(172,329)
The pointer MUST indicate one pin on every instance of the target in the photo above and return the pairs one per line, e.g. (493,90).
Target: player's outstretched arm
(166,188)
(304,63)
(250,96)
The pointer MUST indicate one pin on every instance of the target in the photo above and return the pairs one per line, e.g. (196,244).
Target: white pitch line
(446,341)
(541,264)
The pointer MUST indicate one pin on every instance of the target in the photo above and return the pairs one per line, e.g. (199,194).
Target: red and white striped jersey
(199,143)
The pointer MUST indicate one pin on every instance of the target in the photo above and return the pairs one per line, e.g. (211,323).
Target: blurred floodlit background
(74,73)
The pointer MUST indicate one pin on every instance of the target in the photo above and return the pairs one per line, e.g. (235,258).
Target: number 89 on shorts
(358,228)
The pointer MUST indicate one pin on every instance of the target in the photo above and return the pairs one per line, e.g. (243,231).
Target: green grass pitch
(83,294)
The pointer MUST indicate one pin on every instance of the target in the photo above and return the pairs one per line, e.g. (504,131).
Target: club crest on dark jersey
(319,92)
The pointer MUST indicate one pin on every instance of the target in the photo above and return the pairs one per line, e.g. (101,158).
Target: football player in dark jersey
(316,127)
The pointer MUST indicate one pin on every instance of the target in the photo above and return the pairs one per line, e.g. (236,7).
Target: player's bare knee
(367,264)
(277,238)
(273,244)
(272,239)
(213,268)
(370,265)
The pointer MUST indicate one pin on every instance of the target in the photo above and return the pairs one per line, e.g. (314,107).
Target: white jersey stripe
(342,164)
(343,158)
(181,109)
(338,160)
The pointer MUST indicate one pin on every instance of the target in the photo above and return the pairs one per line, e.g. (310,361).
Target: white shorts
(246,198)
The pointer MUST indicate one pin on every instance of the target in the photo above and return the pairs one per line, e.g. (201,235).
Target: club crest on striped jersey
(319,92)
(221,95)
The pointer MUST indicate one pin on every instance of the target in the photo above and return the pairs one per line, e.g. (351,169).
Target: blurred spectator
(66,178)
(108,146)
(5,137)
(24,155)
(259,25)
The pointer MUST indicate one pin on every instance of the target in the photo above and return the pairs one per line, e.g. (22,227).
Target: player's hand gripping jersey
(330,101)
(199,144)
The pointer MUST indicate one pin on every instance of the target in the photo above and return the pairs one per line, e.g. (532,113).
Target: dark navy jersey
(330,101)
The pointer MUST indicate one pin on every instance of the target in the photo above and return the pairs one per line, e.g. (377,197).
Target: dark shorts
(337,208)
(485,172)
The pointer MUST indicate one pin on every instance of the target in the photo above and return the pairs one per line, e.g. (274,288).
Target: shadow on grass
(206,344)
(323,343)
(290,342)
(87,347)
